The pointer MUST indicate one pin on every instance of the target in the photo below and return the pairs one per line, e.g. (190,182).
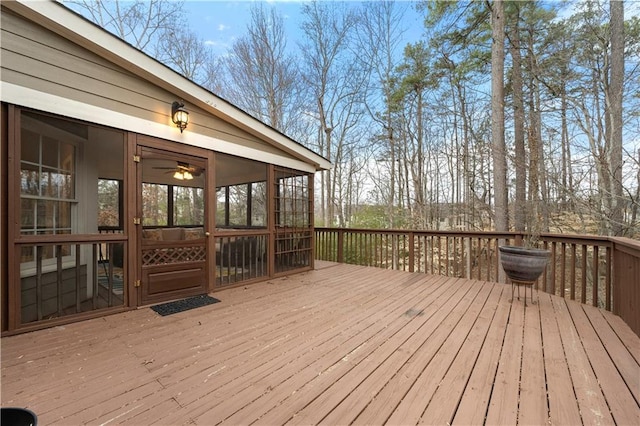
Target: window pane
(30,146)
(49,152)
(48,183)
(238,205)
(63,217)
(66,186)
(27,218)
(244,181)
(154,204)
(45,214)
(259,204)
(67,157)
(27,255)
(108,203)
(220,206)
(188,205)
(29,179)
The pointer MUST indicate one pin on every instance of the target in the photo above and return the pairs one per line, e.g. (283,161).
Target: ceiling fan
(183,171)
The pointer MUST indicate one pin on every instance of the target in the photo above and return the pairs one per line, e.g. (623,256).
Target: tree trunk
(520,206)
(501,217)
(615,114)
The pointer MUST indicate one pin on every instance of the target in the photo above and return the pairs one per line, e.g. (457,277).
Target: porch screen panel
(241,236)
(293,226)
(66,169)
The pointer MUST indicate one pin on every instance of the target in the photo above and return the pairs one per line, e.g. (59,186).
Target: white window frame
(29,268)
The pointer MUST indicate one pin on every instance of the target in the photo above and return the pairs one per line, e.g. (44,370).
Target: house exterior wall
(45,70)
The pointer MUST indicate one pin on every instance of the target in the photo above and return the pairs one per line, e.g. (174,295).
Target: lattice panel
(173,255)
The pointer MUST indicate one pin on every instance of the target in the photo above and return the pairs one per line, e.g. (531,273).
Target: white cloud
(223,27)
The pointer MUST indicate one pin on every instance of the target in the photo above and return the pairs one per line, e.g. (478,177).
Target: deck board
(449,392)
(591,401)
(532,406)
(279,393)
(605,369)
(503,405)
(625,363)
(450,336)
(563,405)
(477,393)
(340,344)
(434,332)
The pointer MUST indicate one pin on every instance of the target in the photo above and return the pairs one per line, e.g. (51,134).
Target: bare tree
(336,81)
(416,77)
(379,35)
(190,59)
(262,72)
(139,22)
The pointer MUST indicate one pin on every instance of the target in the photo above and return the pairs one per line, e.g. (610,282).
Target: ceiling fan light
(187,175)
(179,175)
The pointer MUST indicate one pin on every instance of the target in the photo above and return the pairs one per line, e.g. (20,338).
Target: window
(172,205)
(47,184)
(71,183)
(155,206)
(188,206)
(241,192)
(242,206)
(293,234)
(110,209)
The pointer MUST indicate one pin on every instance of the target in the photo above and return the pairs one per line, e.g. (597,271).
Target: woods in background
(503,115)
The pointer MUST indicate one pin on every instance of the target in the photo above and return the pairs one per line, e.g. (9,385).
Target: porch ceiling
(337,345)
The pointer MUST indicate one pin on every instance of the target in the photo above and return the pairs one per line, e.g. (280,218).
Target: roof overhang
(63,21)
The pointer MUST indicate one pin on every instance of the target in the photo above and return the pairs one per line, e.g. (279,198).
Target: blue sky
(220,22)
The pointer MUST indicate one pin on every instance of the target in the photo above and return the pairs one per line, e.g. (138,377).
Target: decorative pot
(523,264)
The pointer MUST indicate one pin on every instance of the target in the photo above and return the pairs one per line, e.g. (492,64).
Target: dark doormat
(169,308)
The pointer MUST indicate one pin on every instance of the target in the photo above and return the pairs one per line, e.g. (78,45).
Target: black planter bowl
(523,264)
(14,416)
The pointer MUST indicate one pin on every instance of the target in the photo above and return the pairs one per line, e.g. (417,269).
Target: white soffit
(63,21)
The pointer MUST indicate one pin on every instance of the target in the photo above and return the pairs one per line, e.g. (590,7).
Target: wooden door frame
(177,150)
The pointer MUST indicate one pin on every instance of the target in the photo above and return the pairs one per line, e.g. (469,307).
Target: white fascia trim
(54,104)
(123,54)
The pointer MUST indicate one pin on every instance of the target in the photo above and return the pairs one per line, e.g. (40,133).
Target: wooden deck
(339,345)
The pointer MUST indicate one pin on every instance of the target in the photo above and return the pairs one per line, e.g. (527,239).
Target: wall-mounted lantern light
(179,115)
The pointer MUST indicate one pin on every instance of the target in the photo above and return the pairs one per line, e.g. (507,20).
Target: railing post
(467,241)
(340,245)
(607,278)
(411,252)
(596,274)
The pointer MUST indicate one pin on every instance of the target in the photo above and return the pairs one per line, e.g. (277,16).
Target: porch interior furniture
(230,250)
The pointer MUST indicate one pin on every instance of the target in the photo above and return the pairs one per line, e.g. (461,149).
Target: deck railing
(600,271)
